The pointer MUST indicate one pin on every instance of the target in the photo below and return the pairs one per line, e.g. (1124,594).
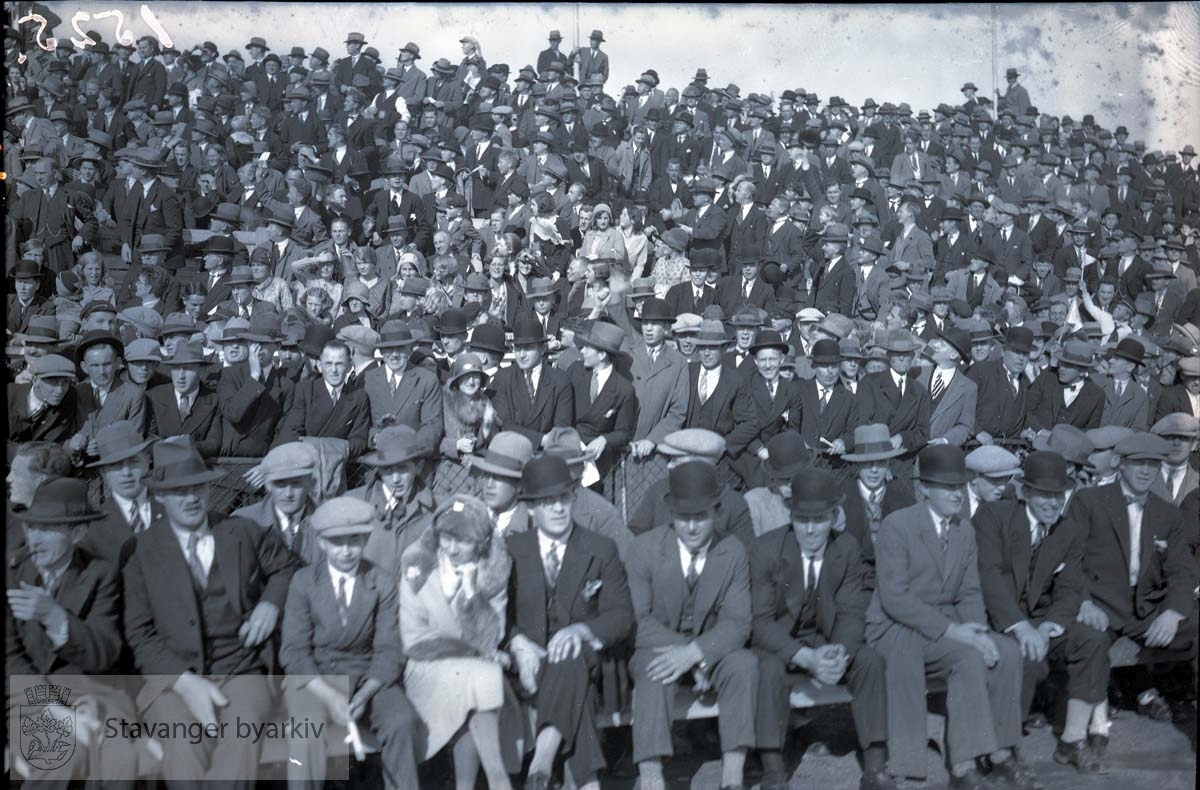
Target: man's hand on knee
(201,696)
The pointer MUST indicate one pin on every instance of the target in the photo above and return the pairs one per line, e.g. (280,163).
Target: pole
(573,65)
(995,79)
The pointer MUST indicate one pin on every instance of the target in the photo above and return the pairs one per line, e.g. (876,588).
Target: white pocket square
(591,588)
(608,414)
(1061,565)
(1160,545)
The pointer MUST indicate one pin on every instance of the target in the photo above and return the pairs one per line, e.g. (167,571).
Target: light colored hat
(343,515)
(693,441)
(147,320)
(506,455)
(992,461)
(52,366)
(809,315)
(1177,424)
(686,324)
(289,461)
(360,338)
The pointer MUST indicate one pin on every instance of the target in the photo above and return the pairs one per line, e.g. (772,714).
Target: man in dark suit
(767,405)
(63,623)
(1139,577)
(834,283)
(1183,397)
(1010,244)
(691,600)
(667,190)
(128,509)
(287,473)
(605,403)
(829,410)
(401,393)
(1067,395)
(202,597)
(152,208)
(745,287)
(323,407)
(705,222)
(255,394)
(785,242)
(25,303)
(713,387)
(869,495)
(1030,570)
(747,226)
(927,618)
(897,400)
(695,295)
(568,605)
(186,405)
(810,587)
(46,408)
(532,397)
(1000,408)
(341,623)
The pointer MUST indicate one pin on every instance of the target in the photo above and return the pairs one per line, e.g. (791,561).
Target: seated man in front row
(691,598)
(1147,594)
(202,596)
(928,620)
(810,587)
(341,620)
(1030,568)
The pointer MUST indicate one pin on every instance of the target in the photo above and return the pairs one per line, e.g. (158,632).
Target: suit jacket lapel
(1119,515)
(709,584)
(576,561)
(929,536)
(227,553)
(793,567)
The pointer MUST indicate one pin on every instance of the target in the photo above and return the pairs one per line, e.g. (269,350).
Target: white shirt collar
(336,576)
(685,557)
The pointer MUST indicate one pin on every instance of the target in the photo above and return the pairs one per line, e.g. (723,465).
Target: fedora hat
(240,275)
(187,353)
(394,445)
(712,333)
(1045,471)
(959,340)
(540,287)
(118,441)
(528,331)
(872,443)
(566,443)
(943,464)
(693,488)
(899,341)
(488,337)
(815,492)
(58,501)
(395,334)
(546,476)
(451,322)
(601,335)
(786,455)
(506,455)
(177,464)
(1077,353)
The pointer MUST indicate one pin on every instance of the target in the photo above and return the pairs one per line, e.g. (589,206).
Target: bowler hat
(177,464)
(657,310)
(786,454)
(546,476)
(1019,339)
(825,352)
(1129,349)
(815,493)
(58,501)
(488,337)
(451,322)
(769,338)
(943,464)
(693,488)
(1045,471)
(528,331)
(394,445)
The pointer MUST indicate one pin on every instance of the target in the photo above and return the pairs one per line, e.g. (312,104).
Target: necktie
(874,508)
(594,388)
(945,535)
(1042,530)
(810,579)
(185,407)
(395,385)
(343,605)
(199,575)
(703,386)
(530,386)
(692,575)
(1140,501)
(135,519)
(824,399)
(552,565)
(245,312)
(772,387)
(749,287)
(696,302)
(900,385)
(101,395)
(1014,381)
(939,386)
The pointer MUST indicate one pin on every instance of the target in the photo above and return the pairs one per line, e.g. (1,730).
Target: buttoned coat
(312,413)
(1129,410)
(662,390)
(716,413)
(202,423)
(553,405)
(953,414)
(417,402)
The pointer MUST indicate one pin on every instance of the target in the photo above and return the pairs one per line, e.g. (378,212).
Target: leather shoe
(537,782)
(1155,707)
(971,780)
(1097,744)
(876,780)
(1036,721)
(1014,775)
(1077,754)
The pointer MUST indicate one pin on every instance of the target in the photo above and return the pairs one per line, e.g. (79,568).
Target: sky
(1136,64)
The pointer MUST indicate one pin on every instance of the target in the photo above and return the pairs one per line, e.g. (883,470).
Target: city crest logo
(47,727)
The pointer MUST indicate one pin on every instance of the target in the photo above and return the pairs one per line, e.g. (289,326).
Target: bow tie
(1140,501)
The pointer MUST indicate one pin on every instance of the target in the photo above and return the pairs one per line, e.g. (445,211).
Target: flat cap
(343,515)
(289,461)
(810,315)
(992,461)
(143,350)
(1177,424)
(693,441)
(148,320)
(1107,437)
(1143,447)
(55,366)
(360,338)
